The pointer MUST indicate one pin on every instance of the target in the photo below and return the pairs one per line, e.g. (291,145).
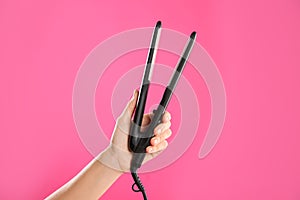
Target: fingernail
(158,131)
(150,149)
(156,141)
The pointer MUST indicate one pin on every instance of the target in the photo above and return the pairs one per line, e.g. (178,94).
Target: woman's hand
(117,155)
(97,177)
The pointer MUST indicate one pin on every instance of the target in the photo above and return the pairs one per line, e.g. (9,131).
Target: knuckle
(154,149)
(167,134)
(155,140)
(166,144)
(167,124)
(163,145)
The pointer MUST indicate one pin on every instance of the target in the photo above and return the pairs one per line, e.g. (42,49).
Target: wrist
(115,158)
(112,171)
(109,159)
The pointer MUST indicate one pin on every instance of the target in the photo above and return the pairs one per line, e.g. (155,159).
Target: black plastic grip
(139,141)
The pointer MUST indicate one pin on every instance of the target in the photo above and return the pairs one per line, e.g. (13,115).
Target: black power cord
(138,183)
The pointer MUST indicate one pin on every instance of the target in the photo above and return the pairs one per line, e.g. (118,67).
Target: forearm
(108,166)
(90,183)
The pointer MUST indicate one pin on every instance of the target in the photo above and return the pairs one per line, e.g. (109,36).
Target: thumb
(130,107)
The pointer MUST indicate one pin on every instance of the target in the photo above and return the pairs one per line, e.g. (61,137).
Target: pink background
(255,45)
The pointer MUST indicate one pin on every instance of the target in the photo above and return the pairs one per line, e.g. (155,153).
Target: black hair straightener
(138,141)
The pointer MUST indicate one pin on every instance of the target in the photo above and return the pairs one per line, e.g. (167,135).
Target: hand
(117,155)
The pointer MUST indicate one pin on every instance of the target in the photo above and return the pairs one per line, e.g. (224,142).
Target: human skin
(96,178)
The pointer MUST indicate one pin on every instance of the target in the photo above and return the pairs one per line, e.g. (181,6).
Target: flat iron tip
(193,35)
(158,24)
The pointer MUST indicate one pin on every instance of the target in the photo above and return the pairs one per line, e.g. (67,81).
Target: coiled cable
(138,183)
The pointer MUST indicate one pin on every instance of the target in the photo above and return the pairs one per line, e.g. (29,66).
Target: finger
(131,105)
(160,128)
(163,136)
(159,147)
(166,117)
(147,119)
